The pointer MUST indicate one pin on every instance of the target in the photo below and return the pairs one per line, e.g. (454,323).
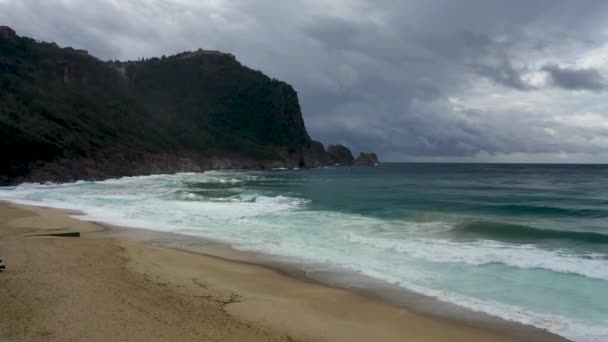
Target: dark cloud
(575,78)
(504,73)
(408,79)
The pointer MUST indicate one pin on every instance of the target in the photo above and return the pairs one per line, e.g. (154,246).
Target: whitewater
(524,243)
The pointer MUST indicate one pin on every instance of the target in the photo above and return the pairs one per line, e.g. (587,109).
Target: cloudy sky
(428,80)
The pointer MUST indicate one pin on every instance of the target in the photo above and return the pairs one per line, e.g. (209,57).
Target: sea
(525,243)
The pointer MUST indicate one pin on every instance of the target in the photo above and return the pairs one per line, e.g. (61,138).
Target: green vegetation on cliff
(222,105)
(66,115)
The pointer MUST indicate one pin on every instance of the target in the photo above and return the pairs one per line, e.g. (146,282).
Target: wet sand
(104,286)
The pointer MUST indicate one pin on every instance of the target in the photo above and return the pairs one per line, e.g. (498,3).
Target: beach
(99,288)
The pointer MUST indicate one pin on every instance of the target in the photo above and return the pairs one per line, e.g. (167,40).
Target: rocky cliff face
(340,155)
(368,159)
(7,33)
(65,115)
(316,156)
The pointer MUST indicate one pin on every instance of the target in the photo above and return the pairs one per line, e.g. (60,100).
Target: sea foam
(238,208)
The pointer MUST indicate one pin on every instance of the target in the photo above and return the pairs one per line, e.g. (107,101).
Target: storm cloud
(576,79)
(457,80)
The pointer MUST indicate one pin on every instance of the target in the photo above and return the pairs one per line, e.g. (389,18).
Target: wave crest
(511,232)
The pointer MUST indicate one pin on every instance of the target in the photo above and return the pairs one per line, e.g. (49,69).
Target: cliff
(340,155)
(65,115)
(7,33)
(368,159)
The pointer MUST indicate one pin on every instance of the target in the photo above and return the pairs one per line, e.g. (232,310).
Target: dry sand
(100,288)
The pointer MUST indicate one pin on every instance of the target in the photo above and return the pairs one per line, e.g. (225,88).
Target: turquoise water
(527,243)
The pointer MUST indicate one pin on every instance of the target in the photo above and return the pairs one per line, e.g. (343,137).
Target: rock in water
(317,156)
(366,159)
(340,154)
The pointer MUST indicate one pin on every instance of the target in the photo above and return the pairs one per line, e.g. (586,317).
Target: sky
(427,80)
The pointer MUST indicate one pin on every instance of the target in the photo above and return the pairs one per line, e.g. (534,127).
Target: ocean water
(527,243)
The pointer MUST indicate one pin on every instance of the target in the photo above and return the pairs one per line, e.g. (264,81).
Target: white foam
(483,252)
(564,326)
(400,252)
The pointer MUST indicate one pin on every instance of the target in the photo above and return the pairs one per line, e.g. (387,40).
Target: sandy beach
(100,287)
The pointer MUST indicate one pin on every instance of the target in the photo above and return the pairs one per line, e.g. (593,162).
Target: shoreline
(368,287)
(277,307)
